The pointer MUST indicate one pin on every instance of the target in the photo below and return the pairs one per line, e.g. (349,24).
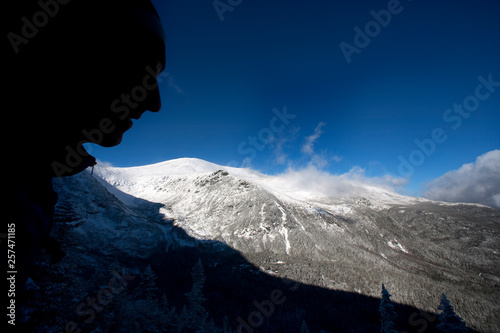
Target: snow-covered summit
(181,166)
(305,185)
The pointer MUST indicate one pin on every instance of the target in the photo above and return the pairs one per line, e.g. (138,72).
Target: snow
(240,205)
(263,217)
(206,203)
(394,244)
(283,230)
(133,180)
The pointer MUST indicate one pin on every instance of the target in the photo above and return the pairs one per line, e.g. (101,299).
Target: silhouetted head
(78,71)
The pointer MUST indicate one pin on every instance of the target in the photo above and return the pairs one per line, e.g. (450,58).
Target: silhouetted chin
(115,138)
(112,141)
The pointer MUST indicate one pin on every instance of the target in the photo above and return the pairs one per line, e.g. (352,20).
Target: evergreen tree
(449,321)
(169,318)
(194,317)
(164,301)
(303,328)
(195,296)
(183,321)
(387,313)
(227,326)
(148,284)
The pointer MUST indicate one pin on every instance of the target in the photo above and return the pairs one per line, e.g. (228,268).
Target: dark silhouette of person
(74,72)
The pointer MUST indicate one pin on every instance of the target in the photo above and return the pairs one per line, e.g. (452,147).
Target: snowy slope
(137,181)
(250,211)
(95,219)
(253,212)
(342,234)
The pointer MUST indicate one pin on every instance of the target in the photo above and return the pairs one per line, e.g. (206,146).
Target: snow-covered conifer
(194,317)
(303,328)
(148,284)
(387,313)
(227,326)
(449,321)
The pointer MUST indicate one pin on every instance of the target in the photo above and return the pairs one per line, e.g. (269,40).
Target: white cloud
(171,83)
(319,160)
(279,142)
(322,159)
(352,183)
(281,158)
(278,145)
(247,163)
(337,158)
(308,147)
(477,182)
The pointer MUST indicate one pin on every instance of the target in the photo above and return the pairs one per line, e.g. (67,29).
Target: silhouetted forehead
(140,26)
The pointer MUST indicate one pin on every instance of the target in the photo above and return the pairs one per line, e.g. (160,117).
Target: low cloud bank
(477,182)
(353,183)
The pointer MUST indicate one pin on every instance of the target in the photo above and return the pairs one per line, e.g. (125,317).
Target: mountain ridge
(254,213)
(417,248)
(194,166)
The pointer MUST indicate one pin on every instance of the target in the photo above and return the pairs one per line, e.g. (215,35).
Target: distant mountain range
(257,233)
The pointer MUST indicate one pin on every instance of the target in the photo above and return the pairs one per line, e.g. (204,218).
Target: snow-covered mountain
(419,247)
(353,241)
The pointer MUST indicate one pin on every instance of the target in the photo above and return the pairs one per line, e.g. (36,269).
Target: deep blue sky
(226,77)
